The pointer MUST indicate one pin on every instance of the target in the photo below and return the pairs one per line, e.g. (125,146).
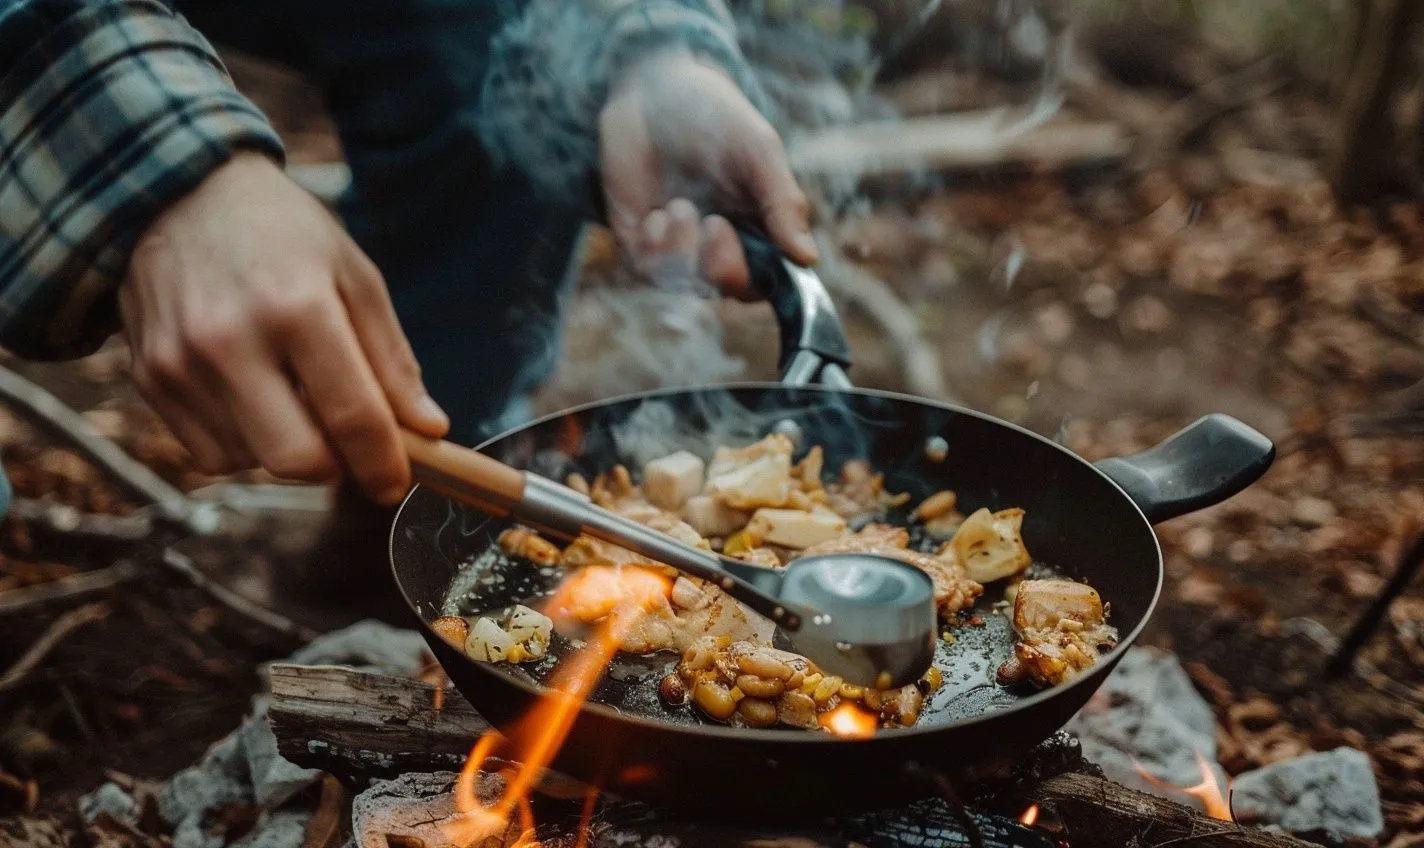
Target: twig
(923,374)
(58,630)
(1369,621)
(51,413)
(1191,113)
(64,518)
(185,568)
(67,588)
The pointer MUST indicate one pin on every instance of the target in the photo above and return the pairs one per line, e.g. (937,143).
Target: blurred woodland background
(1099,219)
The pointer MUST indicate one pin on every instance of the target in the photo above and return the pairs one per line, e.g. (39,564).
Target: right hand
(263,336)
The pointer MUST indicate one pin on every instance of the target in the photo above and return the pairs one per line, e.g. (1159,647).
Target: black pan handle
(813,342)
(1199,466)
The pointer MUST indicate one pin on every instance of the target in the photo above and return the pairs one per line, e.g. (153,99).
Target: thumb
(783,206)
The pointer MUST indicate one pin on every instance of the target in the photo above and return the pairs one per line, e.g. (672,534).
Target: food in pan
(757,503)
(1061,629)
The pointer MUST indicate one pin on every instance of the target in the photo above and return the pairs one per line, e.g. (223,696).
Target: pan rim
(740,734)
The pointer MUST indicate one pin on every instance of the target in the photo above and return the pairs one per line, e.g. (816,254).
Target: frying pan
(1088,521)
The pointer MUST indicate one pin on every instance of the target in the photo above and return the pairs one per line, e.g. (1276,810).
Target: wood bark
(1364,151)
(1097,813)
(356,724)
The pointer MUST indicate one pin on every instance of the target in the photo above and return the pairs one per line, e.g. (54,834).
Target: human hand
(263,336)
(678,134)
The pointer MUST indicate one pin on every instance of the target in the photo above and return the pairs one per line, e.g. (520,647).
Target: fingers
(723,261)
(783,205)
(348,401)
(386,347)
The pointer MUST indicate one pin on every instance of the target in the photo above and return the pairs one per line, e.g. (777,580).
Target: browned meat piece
(861,491)
(674,619)
(953,589)
(1062,628)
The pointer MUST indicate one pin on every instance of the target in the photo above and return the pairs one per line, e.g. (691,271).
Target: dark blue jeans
(478,268)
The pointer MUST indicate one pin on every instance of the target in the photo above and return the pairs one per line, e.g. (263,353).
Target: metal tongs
(866,618)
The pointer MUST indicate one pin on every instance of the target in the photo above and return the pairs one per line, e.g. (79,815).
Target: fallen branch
(58,630)
(62,518)
(353,723)
(956,142)
(51,413)
(857,287)
(185,568)
(68,588)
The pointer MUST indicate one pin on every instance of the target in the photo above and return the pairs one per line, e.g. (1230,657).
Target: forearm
(109,112)
(551,71)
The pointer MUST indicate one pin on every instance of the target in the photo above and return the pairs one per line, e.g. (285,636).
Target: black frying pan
(1088,521)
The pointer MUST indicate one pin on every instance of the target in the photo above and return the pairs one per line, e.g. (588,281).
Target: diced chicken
(669,482)
(794,528)
(807,472)
(586,551)
(754,476)
(765,557)
(989,545)
(953,588)
(861,491)
(711,517)
(1061,627)
(672,621)
(666,522)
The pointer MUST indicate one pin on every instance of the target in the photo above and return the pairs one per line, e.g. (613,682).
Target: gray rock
(366,646)
(1148,713)
(190,800)
(1333,791)
(274,779)
(284,829)
(111,799)
(412,805)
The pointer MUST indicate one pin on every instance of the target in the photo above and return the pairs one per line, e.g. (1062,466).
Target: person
(139,189)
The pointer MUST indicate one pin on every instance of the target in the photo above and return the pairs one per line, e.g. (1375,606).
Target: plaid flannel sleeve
(109,111)
(551,68)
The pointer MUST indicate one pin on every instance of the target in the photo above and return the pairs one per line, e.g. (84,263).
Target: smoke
(814,66)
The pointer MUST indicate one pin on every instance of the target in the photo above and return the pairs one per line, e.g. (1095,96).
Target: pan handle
(1203,464)
(813,342)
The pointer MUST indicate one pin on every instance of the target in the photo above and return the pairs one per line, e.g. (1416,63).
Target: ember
(1030,816)
(548,724)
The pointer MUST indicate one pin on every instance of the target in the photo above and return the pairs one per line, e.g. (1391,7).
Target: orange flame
(1215,798)
(850,721)
(547,725)
(1030,816)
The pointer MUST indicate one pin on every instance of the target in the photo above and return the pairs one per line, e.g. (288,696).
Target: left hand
(678,134)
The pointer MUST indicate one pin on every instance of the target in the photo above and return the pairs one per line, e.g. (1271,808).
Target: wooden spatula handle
(440,464)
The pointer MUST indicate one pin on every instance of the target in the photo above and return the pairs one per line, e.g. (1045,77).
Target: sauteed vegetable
(757,504)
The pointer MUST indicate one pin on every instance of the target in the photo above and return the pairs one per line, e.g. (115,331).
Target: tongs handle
(464,474)
(813,342)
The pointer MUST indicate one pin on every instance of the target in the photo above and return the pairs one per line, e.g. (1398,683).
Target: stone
(112,799)
(195,795)
(1148,715)
(284,829)
(371,646)
(274,779)
(1332,792)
